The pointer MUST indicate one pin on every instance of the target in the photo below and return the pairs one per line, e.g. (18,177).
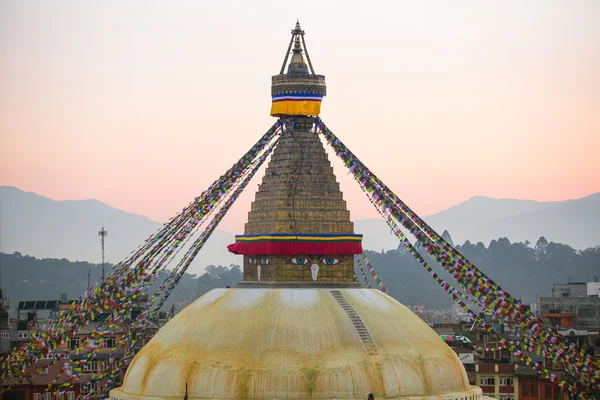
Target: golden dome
(301,343)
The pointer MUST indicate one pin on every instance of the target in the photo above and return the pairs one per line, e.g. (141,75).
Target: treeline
(28,278)
(526,271)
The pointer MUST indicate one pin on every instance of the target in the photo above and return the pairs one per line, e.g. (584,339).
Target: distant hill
(482,219)
(29,278)
(525,271)
(44,228)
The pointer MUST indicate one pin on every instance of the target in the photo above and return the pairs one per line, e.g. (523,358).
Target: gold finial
(297,30)
(299,44)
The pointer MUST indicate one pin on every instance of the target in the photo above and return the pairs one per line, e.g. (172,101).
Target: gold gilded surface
(298,190)
(295,344)
(299,194)
(280,268)
(305,84)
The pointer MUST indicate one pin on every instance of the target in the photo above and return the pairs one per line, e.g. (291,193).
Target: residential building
(108,347)
(44,384)
(571,307)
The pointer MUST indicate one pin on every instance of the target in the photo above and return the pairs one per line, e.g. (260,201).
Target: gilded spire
(297,65)
(300,90)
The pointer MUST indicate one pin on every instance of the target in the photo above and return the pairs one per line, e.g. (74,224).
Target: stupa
(298,326)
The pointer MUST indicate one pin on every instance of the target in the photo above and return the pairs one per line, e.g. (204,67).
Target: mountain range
(482,219)
(38,226)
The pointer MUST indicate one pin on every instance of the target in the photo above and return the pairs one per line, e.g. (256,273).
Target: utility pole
(102,235)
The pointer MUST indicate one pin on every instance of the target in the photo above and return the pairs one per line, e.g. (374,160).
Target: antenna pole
(102,235)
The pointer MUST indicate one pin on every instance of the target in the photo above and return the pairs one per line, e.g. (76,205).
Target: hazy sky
(142,104)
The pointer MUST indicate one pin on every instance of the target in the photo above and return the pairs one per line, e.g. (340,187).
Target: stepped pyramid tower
(299,230)
(298,326)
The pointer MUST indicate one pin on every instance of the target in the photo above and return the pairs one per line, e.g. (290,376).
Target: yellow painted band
(296,108)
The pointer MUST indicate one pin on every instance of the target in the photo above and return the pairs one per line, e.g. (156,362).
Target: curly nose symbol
(314,269)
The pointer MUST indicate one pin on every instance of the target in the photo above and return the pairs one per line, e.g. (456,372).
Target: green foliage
(29,278)
(523,271)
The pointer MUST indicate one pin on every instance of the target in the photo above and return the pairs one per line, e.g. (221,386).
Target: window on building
(506,381)
(90,388)
(47,396)
(68,368)
(487,381)
(110,342)
(90,366)
(37,396)
(73,343)
(525,389)
(491,350)
(45,370)
(534,389)
(60,396)
(507,396)
(70,395)
(106,366)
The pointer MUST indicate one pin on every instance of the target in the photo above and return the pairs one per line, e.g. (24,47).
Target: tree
(540,246)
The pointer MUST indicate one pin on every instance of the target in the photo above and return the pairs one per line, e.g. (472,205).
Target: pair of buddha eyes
(263,261)
(325,261)
(297,261)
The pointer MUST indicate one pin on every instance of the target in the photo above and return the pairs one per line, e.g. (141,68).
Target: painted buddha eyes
(324,261)
(296,260)
(263,261)
(300,261)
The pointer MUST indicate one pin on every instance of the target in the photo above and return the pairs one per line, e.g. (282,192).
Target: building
(571,307)
(502,375)
(571,289)
(593,289)
(298,326)
(583,338)
(533,387)
(5,331)
(108,349)
(42,385)
(469,359)
(30,315)
(497,380)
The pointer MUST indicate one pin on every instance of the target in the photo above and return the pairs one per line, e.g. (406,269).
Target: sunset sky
(142,104)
